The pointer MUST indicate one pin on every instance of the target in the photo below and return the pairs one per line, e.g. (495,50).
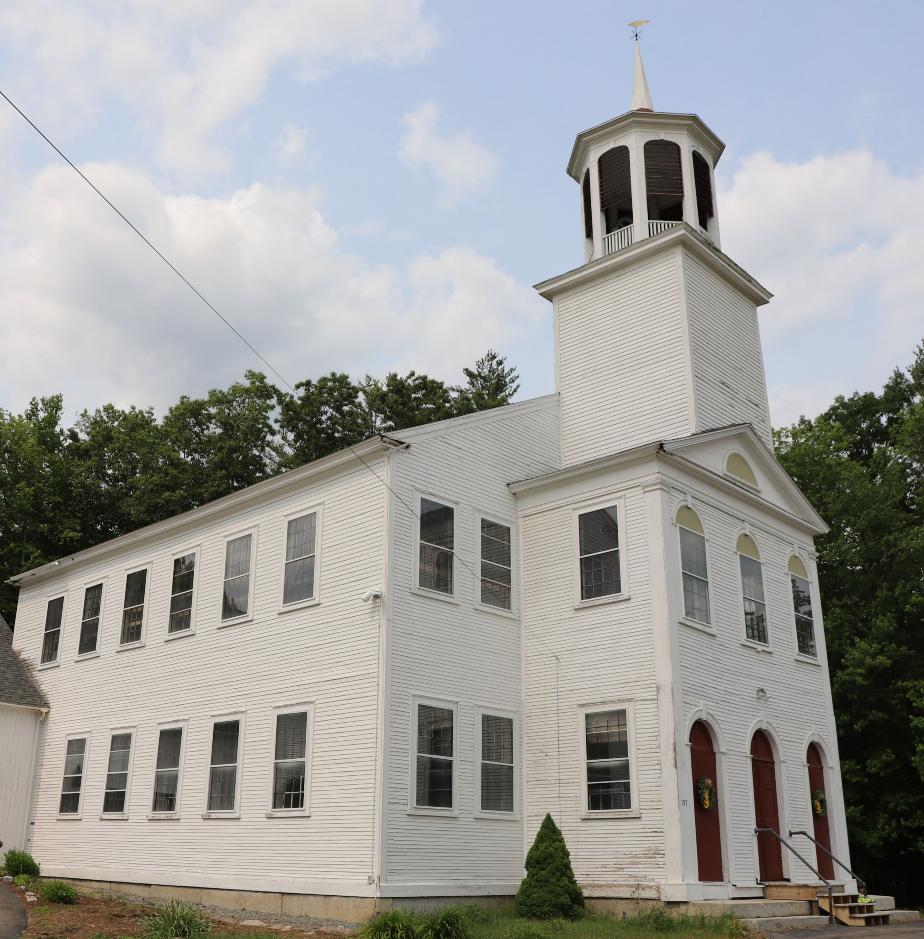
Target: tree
(491,383)
(549,890)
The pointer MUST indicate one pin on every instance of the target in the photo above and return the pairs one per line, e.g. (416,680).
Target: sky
(374,185)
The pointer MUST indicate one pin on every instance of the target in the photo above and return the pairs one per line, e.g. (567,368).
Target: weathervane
(636,26)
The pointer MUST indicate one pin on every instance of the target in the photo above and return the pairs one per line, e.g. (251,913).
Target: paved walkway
(895,931)
(12,914)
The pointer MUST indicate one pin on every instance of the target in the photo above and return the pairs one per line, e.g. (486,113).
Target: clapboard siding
(622,360)
(326,654)
(18,736)
(454,650)
(728,367)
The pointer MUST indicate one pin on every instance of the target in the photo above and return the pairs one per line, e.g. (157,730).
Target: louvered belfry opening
(615,189)
(664,181)
(702,179)
(585,195)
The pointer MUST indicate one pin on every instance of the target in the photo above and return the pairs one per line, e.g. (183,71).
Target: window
(290,761)
(437,546)
(133,609)
(598,536)
(120,751)
(752,590)
(496,572)
(586,204)
(51,640)
(74,762)
(496,763)
(181,593)
(167,770)
(615,189)
(802,607)
(663,181)
(223,770)
(89,620)
(736,465)
(606,741)
(299,575)
(693,566)
(702,179)
(236,598)
(434,756)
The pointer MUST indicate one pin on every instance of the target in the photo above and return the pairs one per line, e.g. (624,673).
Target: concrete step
(883,903)
(750,909)
(778,923)
(903,916)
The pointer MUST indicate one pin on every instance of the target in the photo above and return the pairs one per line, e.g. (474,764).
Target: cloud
(290,144)
(189,68)
(838,240)
(92,312)
(461,165)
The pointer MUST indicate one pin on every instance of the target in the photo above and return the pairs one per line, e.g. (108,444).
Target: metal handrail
(860,882)
(824,880)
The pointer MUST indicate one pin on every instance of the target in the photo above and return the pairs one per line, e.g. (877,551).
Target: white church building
(366,681)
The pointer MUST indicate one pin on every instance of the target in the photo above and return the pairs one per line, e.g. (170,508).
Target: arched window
(752,590)
(615,189)
(693,565)
(663,181)
(702,179)
(802,607)
(588,211)
(736,465)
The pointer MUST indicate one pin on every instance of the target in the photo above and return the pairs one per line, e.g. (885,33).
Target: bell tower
(656,334)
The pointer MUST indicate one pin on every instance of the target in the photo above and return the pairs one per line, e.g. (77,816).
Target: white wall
(18,737)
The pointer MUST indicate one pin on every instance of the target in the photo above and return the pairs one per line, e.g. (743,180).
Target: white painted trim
(306,707)
(197,551)
(453,597)
(84,587)
(240,717)
(496,519)
(81,795)
(627,705)
(146,604)
(413,807)
(607,502)
(316,509)
(678,578)
(103,814)
(183,725)
(61,630)
(480,812)
(247,616)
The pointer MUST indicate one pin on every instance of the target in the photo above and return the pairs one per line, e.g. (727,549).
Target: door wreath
(819,802)
(705,793)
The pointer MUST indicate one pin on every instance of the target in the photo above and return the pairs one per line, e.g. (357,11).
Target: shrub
(395,924)
(448,923)
(26,881)
(57,891)
(549,889)
(20,862)
(176,920)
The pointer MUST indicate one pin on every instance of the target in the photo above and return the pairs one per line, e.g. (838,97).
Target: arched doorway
(705,810)
(818,799)
(766,807)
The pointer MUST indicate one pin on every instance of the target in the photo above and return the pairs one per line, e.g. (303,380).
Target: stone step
(904,916)
(750,909)
(779,923)
(883,903)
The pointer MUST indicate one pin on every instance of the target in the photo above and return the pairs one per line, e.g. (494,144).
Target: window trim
(619,503)
(453,597)
(305,812)
(800,655)
(496,519)
(191,630)
(146,607)
(175,814)
(318,509)
(81,796)
(238,716)
(95,581)
(684,618)
(103,814)
(479,812)
(627,705)
(248,616)
(53,663)
(746,640)
(413,808)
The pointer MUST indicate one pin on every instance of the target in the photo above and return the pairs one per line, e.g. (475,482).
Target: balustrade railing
(656,226)
(617,240)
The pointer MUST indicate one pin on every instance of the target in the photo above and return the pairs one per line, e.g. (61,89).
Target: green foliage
(57,891)
(26,882)
(861,463)
(394,924)
(20,862)
(176,920)
(448,923)
(549,889)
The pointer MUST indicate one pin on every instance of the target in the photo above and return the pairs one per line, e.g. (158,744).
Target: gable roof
(17,686)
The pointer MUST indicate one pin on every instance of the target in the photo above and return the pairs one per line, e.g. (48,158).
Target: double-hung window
(120,753)
(301,554)
(436,553)
(606,749)
(226,736)
(238,576)
(435,735)
(802,607)
(496,565)
(182,591)
(167,770)
(496,763)
(136,585)
(75,756)
(752,590)
(89,620)
(598,537)
(693,566)
(290,762)
(51,638)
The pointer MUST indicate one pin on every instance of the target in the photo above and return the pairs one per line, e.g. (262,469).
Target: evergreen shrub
(549,890)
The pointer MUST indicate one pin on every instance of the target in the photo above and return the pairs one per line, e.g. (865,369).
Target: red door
(816,772)
(766,808)
(708,832)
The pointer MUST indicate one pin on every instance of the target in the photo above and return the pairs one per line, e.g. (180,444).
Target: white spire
(641,96)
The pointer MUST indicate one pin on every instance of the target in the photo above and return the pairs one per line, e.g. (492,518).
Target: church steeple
(641,96)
